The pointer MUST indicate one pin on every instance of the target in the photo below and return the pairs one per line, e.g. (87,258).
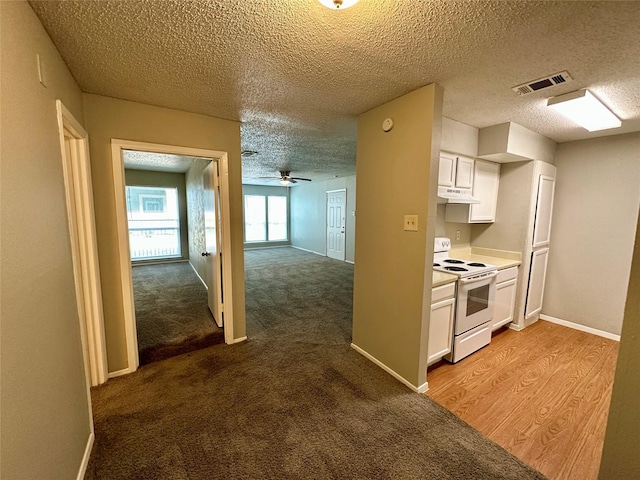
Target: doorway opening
(172,271)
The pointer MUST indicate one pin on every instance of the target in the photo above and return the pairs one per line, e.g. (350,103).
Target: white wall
(309,215)
(45,416)
(593,230)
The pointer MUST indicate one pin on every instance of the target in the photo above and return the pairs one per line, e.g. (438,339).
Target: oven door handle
(476,278)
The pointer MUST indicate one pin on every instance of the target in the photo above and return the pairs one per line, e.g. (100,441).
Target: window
(154,222)
(265,218)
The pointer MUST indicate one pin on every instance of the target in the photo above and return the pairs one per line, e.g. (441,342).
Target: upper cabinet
(485,180)
(455,171)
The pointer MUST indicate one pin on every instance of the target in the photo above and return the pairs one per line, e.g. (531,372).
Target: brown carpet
(172,316)
(293,402)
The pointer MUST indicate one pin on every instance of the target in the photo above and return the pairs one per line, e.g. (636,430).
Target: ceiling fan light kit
(583,108)
(338,4)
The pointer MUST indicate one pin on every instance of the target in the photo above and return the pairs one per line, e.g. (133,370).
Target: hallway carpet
(295,401)
(172,316)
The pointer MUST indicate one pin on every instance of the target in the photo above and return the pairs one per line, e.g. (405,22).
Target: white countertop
(442,278)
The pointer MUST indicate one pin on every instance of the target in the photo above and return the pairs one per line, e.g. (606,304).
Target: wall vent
(545,82)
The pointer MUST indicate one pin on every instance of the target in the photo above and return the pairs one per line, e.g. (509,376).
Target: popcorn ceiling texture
(297,74)
(159,162)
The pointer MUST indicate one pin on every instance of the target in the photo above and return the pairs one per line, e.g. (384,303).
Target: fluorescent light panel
(584,109)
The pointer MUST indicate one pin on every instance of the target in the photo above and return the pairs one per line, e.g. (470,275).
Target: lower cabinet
(505,299)
(441,326)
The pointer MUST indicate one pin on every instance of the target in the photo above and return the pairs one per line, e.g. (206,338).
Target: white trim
(349,261)
(582,328)
(516,327)
(126,277)
(85,458)
(421,389)
(198,275)
(74,147)
(310,251)
(119,373)
(117,145)
(335,191)
(238,340)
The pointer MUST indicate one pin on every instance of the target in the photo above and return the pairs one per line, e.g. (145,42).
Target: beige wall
(620,457)
(309,215)
(45,417)
(592,235)
(397,175)
(146,178)
(109,118)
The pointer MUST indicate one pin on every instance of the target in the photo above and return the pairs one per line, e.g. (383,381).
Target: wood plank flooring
(543,394)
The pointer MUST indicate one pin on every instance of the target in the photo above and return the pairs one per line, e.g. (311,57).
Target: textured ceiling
(160,162)
(297,74)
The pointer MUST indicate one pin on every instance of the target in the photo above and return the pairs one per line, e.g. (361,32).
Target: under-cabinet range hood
(455,195)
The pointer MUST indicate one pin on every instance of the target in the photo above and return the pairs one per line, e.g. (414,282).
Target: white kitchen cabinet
(455,171)
(486,182)
(537,276)
(544,209)
(441,322)
(505,298)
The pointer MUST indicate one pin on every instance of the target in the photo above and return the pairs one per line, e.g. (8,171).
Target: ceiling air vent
(545,82)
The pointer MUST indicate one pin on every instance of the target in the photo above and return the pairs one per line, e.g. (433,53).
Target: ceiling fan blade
(298,178)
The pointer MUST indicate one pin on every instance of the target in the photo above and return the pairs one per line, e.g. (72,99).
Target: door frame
(74,146)
(119,184)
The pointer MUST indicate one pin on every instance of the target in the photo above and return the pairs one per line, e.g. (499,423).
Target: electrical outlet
(457,234)
(411,223)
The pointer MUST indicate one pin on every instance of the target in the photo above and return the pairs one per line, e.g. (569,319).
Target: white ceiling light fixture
(584,109)
(338,4)
(285,181)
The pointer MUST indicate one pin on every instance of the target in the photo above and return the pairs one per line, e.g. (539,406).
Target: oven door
(475,301)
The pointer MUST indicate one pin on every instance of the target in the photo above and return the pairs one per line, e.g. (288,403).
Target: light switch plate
(411,223)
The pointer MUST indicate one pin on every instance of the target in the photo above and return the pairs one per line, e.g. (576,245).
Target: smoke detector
(542,83)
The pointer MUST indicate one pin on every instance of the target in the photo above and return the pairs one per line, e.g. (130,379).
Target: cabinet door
(544,209)
(505,300)
(485,189)
(447,171)
(537,277)
(440,330)
(464,172)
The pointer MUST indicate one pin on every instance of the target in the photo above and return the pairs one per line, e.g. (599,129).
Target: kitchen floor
(543,394)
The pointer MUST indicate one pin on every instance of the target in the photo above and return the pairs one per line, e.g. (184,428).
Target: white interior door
(537,275)
(544,209)
(336,221)
(212,237)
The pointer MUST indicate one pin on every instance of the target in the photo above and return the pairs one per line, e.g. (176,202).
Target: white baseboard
(582,328)
(349,261)
(237,340)
(421,389)
(119,373)
(85,457)
(310,251)
(198,275)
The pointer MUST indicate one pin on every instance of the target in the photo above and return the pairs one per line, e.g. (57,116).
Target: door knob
(205,254)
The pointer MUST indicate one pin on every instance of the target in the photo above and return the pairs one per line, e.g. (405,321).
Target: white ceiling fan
(286,178)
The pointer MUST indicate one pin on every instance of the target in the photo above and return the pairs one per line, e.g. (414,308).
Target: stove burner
(475,264)
(456,269)
(451,260)
(436,264)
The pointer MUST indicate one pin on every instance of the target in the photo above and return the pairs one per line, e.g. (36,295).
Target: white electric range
(474,300)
